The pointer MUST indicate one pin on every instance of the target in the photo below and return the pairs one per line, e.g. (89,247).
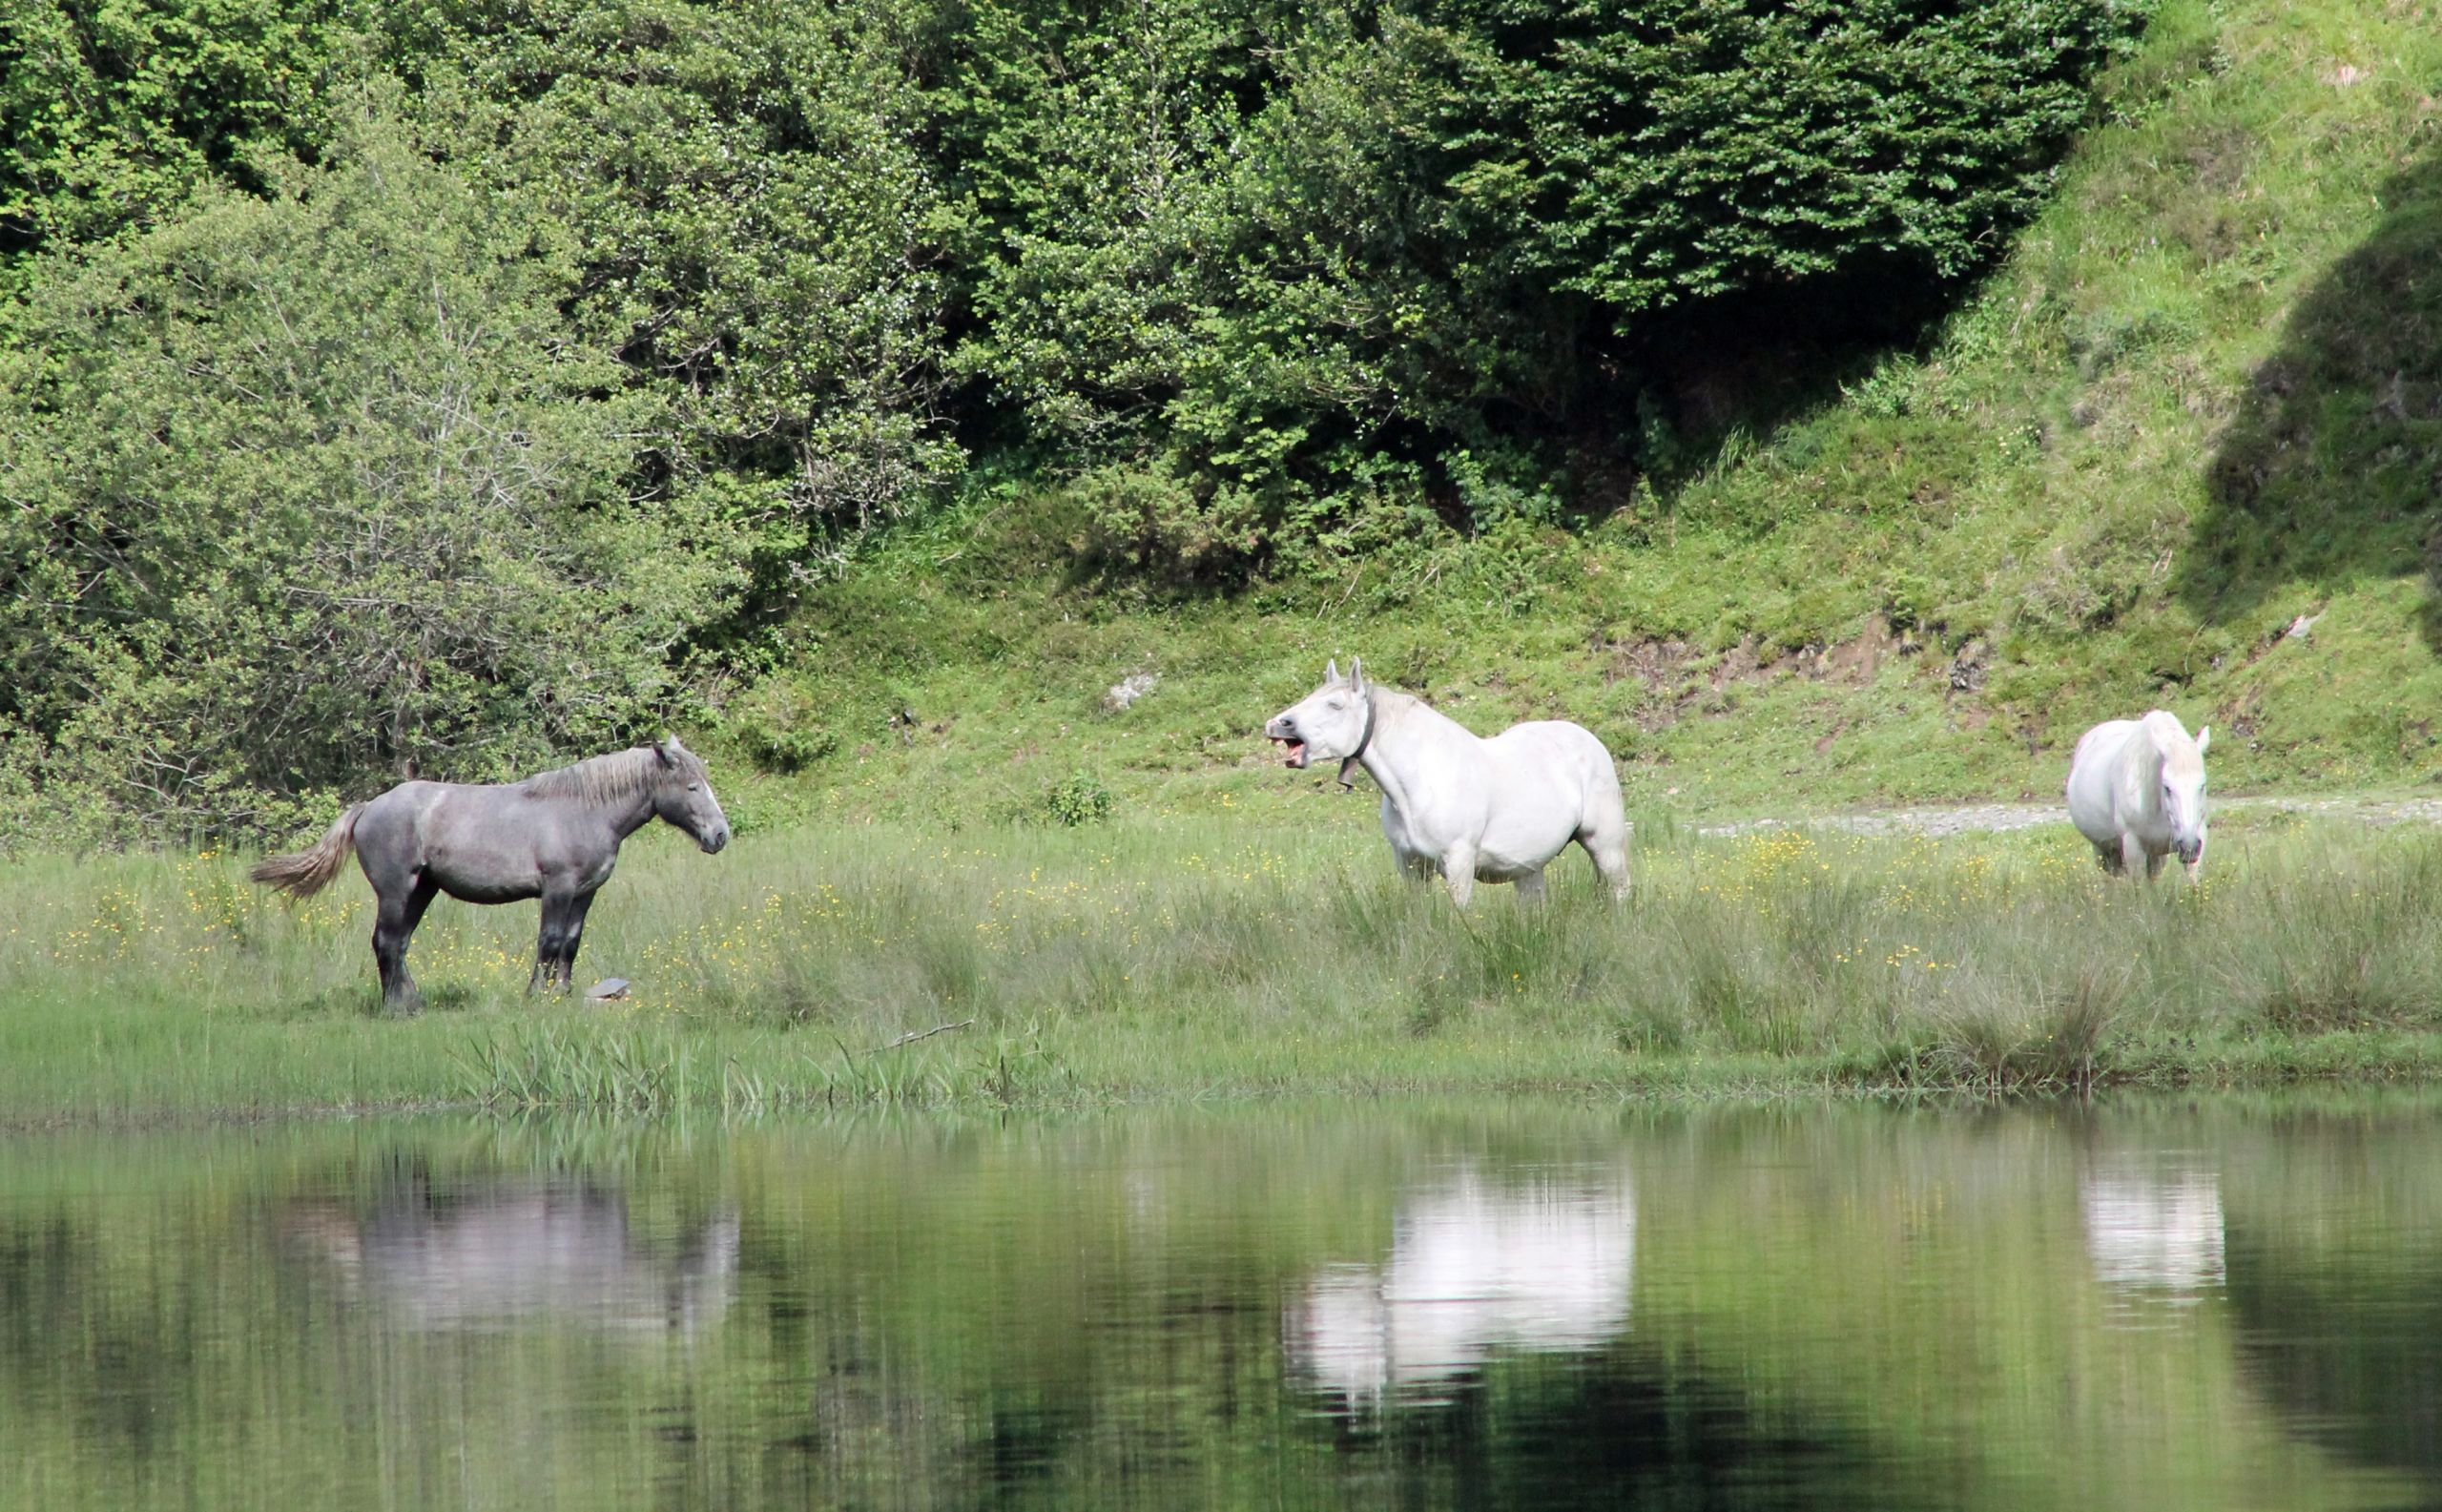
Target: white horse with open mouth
(2136,792)
(1472,808)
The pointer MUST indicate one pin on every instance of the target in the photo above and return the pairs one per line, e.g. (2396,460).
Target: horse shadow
(2330,472)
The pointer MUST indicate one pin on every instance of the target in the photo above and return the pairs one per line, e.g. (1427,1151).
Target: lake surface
(2213,1305)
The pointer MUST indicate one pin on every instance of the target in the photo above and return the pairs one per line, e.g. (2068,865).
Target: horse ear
(665,750)
(1357,673)
(2203,738)
(1331,672)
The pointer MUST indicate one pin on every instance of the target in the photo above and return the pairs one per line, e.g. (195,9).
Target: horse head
(1332,723)
(2183,794)
(683,795)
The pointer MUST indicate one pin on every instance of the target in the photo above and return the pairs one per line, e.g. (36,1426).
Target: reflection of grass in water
(1179,958)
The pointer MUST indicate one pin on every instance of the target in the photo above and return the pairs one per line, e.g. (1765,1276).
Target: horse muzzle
(1285,734)
(713,842)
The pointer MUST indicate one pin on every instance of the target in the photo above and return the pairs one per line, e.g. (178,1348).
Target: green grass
(1182,959)
(2199,398)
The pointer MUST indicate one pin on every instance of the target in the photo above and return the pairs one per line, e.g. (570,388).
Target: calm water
(2214,1306)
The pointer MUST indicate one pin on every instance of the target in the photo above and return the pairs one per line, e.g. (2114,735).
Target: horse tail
(301,874)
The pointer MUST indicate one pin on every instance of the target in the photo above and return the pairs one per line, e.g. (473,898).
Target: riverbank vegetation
(1191,959)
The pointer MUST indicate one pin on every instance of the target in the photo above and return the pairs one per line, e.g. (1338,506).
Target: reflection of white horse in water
(2153,1230)
(1472,808)
(514,1251)
(1474,1269)
(2137,793)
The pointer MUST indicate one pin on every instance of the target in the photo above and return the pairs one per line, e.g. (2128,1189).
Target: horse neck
(2144,764)
(629,814)
(1395,755)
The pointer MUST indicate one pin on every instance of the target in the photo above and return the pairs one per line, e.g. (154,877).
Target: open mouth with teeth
(1294,750)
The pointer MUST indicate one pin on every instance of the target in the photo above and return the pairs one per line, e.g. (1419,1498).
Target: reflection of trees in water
(2153,1229)
(2336,1280)
(1637,1426)
(1474,1269)
(2349,1356)
(508,1250)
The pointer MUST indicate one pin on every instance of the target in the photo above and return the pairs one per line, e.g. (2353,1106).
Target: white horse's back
(1560,783)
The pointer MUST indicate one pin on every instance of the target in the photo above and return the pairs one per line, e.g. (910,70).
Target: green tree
(1270,257)
(744,190)
(306,487)
(110,113)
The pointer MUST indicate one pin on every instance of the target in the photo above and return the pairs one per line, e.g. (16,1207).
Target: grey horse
(553,837)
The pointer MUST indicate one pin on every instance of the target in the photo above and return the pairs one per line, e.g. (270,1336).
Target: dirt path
(2379,809)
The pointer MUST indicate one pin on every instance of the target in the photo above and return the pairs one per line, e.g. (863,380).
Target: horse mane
(2171,738)
(1392,703)
(614,777)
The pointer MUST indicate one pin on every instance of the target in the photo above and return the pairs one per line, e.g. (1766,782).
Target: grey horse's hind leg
(2107,857)
(555,946)
(394,924)
(571,933)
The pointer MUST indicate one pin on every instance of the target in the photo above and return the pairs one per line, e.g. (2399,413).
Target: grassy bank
(1182,958)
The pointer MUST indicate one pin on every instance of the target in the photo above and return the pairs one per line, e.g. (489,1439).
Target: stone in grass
(606,989)
(1127,691)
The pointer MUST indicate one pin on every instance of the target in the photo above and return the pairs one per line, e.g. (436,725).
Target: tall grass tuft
(2019,1035)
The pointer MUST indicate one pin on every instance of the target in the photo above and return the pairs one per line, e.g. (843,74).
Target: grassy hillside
(2201,399)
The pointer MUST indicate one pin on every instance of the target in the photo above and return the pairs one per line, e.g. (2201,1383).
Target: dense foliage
(114,114)
(1281,260)
(390,387)
(321,486)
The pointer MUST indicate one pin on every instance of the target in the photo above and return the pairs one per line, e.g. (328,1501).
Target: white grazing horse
(1474,810)
(2137,789)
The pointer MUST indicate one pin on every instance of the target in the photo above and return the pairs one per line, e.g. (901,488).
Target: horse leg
(1530,887)
(546,944)
(2153,865)
(1459,872)
(1606,845)
(395,918)
(572,931)
(2132,856)
(2107,857)
(563,917)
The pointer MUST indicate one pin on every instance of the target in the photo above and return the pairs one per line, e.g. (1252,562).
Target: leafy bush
(1075,801)
(742,188)
(1153,523)
(111,113)
(324,486)
(780,748)
(1277,249)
